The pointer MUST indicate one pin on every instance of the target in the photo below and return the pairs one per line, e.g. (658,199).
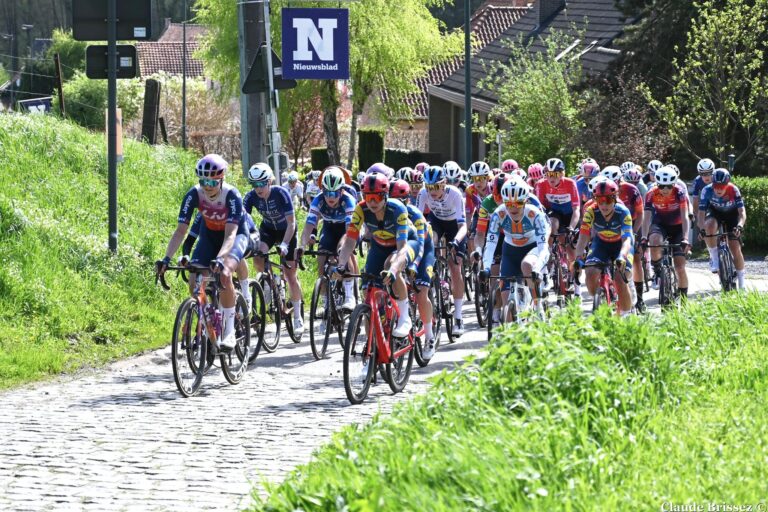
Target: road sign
(36,105)
(96,64)
(136,20)
(256,80)
(316,43)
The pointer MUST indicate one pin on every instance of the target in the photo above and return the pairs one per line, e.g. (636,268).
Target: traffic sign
(136,20)
(96,64)
(256,79)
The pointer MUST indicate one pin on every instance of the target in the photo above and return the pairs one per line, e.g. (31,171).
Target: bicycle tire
(235,362)
(725,270)
(437,322)
(666,286)
(599,299)
(339,317)
(418,341)
(274,316)
(399,371)
(258,319)
(509,313)
(318,342)
(188,349)
(469,288)
(481,300)
(356,351)
(489,311)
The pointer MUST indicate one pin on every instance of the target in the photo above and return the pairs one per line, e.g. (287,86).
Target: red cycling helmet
(421,166)
(605,188)
(375,184)
(509,165)
(399,189)
(535,171)
(496,185)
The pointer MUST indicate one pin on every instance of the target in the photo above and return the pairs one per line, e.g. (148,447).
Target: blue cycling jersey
(341,213)
(387,232)
(227,208)
(274,209)
(728,201)
(583,188)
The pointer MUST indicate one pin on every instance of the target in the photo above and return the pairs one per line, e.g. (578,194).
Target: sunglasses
(209,182)
(416,184)
(663,187)
(605,199)
(705,174)
(554,174)
(516,204)
(332,194)
(436,187)
(478,179)
(374,197)
(260,184)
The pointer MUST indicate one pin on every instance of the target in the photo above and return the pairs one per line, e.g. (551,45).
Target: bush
(397,158)
(371,148)
(320,159)
(86,100)
(71,52)
(755,194)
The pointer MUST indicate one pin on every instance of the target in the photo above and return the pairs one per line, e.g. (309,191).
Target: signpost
(97,65)
(326,31)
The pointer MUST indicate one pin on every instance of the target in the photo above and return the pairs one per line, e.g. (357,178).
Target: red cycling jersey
(667,210)
(630,196)
(562,199)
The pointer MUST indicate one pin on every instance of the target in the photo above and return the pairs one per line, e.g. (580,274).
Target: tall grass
(579,413)
(65,301)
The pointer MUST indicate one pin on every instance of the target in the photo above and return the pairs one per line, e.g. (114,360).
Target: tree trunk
(330,101)
(352,140)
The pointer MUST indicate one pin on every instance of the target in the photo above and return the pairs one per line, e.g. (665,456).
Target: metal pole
(271,118)
(184,80)
(498,146)
(112,120)
(251,106)
(467,89)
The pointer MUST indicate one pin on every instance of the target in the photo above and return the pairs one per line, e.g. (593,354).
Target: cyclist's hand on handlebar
(484,275)
(621,263)
(283,248)
(453,245)
(217,266)
(476,255)
(338,271)
(162,265)
(577,265)
(737,231)
(299,253)
(183,260)
(412,270)
(387,276)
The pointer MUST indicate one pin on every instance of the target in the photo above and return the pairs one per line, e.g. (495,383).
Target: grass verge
(579,413)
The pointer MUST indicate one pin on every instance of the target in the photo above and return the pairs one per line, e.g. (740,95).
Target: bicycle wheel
(399,370)
(318,338)
(338,317)
(289,317)
(235,362)
(599,298)
(271,338)
(481,300)
(489,311)
(258,319)
(188,349)
(509,312)
(359,356)
(419,342)
(469,288)
(725,269)
(666,286)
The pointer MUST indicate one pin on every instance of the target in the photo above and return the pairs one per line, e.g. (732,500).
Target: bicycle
(418,323)
(277,308)
(442,287)
(332,317)
(375,319)
(558,269)
(668,287)
(726,268)
(197,331)
(606,290)
(521,301)
(467,276)
(481,295)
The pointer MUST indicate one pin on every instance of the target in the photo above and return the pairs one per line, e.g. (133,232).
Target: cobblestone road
(123,439)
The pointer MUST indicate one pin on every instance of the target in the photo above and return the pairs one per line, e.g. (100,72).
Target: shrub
(86,100)
(755,194)
(320,159)
(371,148)
(397,158)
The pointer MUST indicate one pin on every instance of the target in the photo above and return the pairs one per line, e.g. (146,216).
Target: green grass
(65,301)
(578,414)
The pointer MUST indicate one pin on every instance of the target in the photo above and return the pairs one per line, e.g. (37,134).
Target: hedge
(755,194)
(319,157)
(397,158)
(371,148)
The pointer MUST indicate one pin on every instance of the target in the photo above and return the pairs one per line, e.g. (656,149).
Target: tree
(719,91)
(391,44)
(538,109)
(301,118)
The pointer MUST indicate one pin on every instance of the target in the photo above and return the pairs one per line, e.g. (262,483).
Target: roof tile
(157,56)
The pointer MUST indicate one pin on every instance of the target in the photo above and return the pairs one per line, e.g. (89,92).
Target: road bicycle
(370,344)
(669,291)
(559,271)
(482,290)
(441,283)
(278,308)
(521,302)
(197,333)
(606,289)
(467,276)
(419,331)
(726,268)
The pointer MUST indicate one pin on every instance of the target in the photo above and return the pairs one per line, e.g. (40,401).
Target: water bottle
(218,322)
(209,312)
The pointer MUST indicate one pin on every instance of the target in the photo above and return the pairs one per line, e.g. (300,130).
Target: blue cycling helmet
(721,176)
(434,175)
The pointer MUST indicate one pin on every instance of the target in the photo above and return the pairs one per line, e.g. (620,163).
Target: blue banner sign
(315,43)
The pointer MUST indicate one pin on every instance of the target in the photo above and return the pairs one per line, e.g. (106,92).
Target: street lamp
(28,29)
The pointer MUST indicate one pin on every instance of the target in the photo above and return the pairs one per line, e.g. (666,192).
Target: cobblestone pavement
(123,439)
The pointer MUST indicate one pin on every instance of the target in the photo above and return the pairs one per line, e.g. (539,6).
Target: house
(601,22)
(167,53)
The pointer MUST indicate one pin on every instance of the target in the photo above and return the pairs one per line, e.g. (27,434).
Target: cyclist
(650,174)
(334,207)
(387,221)
(278,227)
(312,189)
(423,265)
(535,173)
(402,173)
(705,168)
(611,223)
(721,203)
(666,206)
(526,231)
(487,207)
(589,169)
(560,199)
(381,168)
(415,181)
(454,175)
(509,165)
(221,207)
(480,174)
(295,189)
(635,177)
(446,215)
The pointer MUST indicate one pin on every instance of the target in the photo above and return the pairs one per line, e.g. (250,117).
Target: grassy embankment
(65,301)
(591,413)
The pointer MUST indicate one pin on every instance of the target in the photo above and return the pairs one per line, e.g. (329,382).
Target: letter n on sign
(315,43)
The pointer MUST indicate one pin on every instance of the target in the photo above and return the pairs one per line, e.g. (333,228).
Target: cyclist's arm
(461,234)
(575,216)
(647,223)
(585,231)
(230,233)
(494,227)
(176,239)
(742,216)
(686,223)
(291,229)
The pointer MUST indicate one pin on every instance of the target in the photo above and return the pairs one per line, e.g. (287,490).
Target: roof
(157,56)
(175,31)
(605,23)
(490,20)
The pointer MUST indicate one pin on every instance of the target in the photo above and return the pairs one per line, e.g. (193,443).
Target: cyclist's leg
(454,267)
(423,280)
(243,248)
(675,237)
(534,262)
(619,280)
(598,253)
(711,225)
(637,278)
(554,222)
(292,278)
(730,221)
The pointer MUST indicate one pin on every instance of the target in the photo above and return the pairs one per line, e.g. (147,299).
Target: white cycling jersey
(449,207)
(533,228)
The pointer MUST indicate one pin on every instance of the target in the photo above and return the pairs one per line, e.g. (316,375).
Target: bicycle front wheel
(359,356)
(481,299)
(235,362)
(319,326)
(258,319)
(726,270)
(509,313)
(188,349)
(599,298)
(399,370)
(271,338)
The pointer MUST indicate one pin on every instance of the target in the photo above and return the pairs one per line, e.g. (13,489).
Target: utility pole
(467,89)
(251,36)
(59,88)
(112,121)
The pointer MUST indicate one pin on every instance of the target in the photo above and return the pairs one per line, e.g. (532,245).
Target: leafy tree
(538,109)
(86,100)
(719,92)
(71,52)
(301,118)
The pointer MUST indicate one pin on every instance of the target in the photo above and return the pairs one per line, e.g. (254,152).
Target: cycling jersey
(419,230)
(614,229)
(473,198)
(296,192)
(533,228)
(274,209)
(227,208)
(387,232)
(563,199)
(321,210)
(354,190)
(246,225)
(486,209)
(460,184)
(642,187)
(312,191)
(630,196)
(698,185)
(667,210)
(449,207)
(583,188)
(729,201)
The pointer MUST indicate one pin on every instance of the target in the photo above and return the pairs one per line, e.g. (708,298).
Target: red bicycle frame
(377,299)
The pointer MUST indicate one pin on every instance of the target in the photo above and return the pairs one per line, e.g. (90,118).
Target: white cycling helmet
(360,176)
(452,170)
(333,179)
(315,174)
(613,173)
(596,181)
(674,168)
(654,165)
(260,172)
(519,172)
(479,169)
(627,166)
(402,173)
(705,165)
(515,190)
(293,176)
(666,176)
